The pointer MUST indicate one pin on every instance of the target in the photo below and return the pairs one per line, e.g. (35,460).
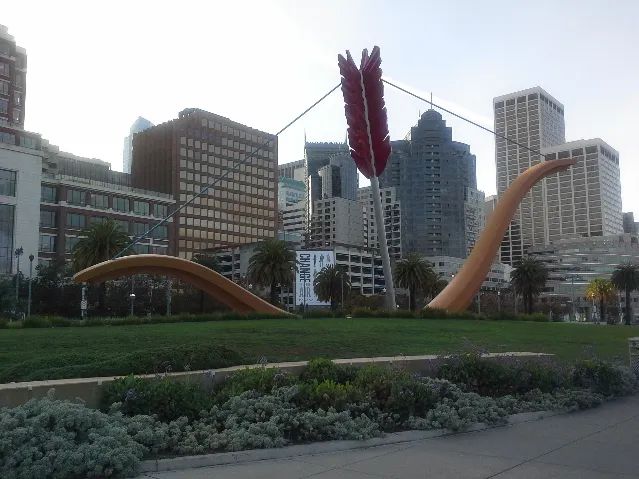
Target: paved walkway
(598,443)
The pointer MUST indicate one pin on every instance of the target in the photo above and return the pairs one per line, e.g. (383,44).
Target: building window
(47,219)
(123,225)
(141,208)
(48,194)
(7,182)
(16,116)
(99,201)
(70,242)
(75,220)
(6,237)
(27,142)
(17,98)
(4,105)
(4,69)
(8,138)
(161,232)
(4,88)
(47,244)
(75,197)
(97,219)
(139,228)
(160,211)
(121,204)
(141,248)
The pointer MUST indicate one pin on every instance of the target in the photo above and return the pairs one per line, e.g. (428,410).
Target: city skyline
(483,67)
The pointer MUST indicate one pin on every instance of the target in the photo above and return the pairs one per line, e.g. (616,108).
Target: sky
(93,68)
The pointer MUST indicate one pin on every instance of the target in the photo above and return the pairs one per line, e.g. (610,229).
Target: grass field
(43,350)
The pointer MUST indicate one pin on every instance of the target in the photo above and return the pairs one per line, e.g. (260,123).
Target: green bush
(164,397)
(260,379)
(489,377)
(604,378)
(4,323)
(60,440)
(327,394)
(321,369)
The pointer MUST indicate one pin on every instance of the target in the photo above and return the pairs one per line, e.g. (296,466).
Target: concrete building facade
(446,267)
(13,80)
(289,192)
(295,170)
(336,220)
(535,120)
(392,210)
(20,177)
(182,156)
(584,200)
(629,224)
(433,175)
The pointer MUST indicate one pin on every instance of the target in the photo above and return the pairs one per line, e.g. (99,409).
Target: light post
(304,307)
(18,252)
(83,302)
(479,302)
(31,258)
(572,292)
(132,298)
(498,300)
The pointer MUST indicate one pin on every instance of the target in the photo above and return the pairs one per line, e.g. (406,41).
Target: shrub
(321,369)
(60,440)
(327,394)
(164,397)
(37,322)
(4,323)
(261,380)
(604,378)
(491,378)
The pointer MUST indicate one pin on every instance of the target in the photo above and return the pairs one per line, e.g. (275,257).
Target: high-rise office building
(294,170)
(433,176)
(336,220)
(330,172)
(290,192)
(184,155)
(474,216)
(584,200)
(535,120)
(392,211)
(13,77)
(629,224)
(138,125)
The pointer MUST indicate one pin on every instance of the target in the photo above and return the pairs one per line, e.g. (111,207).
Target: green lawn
(24,350)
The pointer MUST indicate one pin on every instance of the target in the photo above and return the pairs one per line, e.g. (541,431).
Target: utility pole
(572,291)
(31,258)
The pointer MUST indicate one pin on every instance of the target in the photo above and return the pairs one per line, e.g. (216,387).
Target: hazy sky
(93,68)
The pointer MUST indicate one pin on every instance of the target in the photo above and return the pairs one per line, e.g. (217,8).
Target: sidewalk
(593,444)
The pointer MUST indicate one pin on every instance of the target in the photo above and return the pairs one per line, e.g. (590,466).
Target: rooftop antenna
(431,100)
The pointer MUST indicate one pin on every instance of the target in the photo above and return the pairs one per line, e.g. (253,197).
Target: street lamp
(499,300)
(31,258)
(169,287)
(132,298)
(18,252)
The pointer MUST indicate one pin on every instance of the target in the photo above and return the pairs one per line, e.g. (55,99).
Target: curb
(252,455)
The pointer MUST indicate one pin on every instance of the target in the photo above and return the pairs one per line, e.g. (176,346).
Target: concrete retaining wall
(90,389)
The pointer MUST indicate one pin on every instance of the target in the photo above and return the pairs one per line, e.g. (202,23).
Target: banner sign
(309,264)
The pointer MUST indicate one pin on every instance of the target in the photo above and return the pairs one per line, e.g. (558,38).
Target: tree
(529,278)
(601,290)
(100,242)
(414,272)
(626,277)
(329,284)
(273,263)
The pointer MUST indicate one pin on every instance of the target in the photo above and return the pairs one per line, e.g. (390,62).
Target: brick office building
(182,156)
(76,192)
(13,72)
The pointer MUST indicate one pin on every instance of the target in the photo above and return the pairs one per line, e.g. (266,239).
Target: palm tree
(100,242)
(272,263)
(626,277)
(529,278)
(329,284)
(601,290)
(414,272)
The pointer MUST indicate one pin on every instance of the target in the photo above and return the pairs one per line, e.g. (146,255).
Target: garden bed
(264,408)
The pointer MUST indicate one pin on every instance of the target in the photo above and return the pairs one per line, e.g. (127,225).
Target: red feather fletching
(365,109)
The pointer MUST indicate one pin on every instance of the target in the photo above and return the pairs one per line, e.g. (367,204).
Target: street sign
(309,264)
